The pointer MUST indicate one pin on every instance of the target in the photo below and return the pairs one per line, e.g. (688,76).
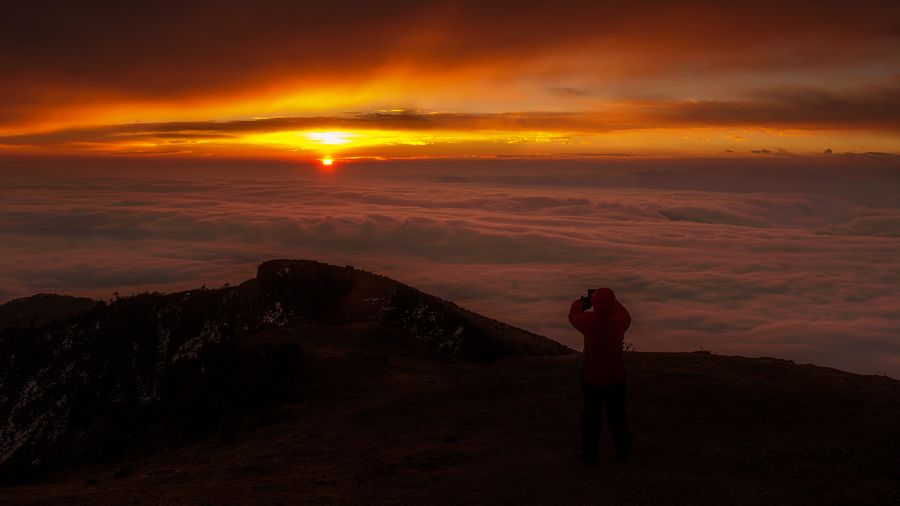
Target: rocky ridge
(153,370)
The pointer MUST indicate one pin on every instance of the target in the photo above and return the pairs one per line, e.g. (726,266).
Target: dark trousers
(595,397)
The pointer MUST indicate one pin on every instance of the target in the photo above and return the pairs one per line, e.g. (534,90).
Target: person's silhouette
(602,371)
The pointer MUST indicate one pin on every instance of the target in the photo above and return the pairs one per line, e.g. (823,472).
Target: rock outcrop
(153,370)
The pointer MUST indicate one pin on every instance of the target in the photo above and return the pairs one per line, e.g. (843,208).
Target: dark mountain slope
(267,393)
(42,309)
(377,420)
(155,370)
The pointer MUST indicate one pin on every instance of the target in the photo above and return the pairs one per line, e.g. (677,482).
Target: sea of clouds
(798,262)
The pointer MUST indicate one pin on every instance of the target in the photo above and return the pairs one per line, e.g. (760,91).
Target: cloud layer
(797,262)
(813,109)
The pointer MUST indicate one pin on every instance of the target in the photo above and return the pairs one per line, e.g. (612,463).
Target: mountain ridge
(324,384)
(42,308)
(101,378)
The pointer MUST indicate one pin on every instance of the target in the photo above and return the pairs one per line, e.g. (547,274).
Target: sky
(732,171)
(350,80)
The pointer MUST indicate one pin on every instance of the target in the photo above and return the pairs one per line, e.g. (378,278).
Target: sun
(327,161)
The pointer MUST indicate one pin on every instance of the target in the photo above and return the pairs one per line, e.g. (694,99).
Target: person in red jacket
(603,371)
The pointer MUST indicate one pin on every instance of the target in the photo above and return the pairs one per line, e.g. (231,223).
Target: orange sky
(407,79)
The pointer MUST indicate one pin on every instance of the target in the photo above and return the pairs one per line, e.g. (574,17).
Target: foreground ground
(382,420)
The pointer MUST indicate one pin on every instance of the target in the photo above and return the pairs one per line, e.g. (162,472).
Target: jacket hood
(603,299)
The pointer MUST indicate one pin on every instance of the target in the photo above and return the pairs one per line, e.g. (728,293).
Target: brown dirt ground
(382,421)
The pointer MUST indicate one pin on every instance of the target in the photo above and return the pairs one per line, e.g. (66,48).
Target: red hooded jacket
(604,331)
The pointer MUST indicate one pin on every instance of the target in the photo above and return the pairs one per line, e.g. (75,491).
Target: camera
(586,301)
